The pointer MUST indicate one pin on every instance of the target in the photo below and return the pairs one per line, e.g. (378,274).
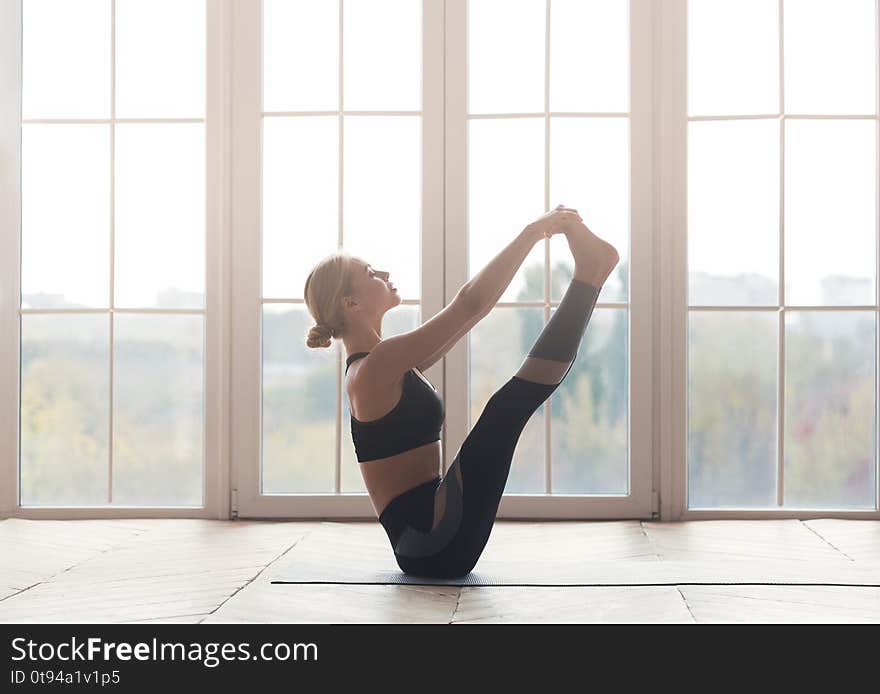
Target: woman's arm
(451,342)
(501,271)
(487,286)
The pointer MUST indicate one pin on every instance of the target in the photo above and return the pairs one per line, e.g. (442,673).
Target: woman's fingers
(567,220)
(563,209)
(557,220)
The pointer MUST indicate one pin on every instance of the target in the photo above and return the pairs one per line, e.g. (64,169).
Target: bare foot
(594,258)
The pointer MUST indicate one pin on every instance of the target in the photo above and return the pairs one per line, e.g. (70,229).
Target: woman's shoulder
(363,386)
(362,368)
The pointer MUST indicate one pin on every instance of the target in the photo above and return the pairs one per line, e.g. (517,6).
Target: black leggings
(453,547)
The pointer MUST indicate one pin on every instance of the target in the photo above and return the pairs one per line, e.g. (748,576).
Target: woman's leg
(472,488)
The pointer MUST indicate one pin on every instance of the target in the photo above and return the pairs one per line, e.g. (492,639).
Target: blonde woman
(438,526)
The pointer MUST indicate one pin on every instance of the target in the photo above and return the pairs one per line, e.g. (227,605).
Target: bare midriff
(386,478)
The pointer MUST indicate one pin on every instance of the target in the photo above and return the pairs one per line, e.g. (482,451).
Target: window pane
(733,212)
(732,405)
(300,200)
(300,55)
(498,346)
(830,436)
(589,411)
(590,171)
(589,55)
(506,43)
(830,211)
(505,193)
(65,59)
(65,404)
(382,55)
(160,58)
(299,405)
(723,78)
(65,201)
(160,215)
(830,52)
(398,320)
(383,196)
(158,409)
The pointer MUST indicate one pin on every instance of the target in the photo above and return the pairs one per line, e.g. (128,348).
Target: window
(550,120)
(166,206)
(782,255)
(113,253)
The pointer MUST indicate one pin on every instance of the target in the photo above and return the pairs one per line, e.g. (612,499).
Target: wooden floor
(102,571)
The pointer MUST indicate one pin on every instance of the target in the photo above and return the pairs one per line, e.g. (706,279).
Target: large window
(112,253)
(340,168)
(171,170)
(352,117)
(782,201)
(549,121)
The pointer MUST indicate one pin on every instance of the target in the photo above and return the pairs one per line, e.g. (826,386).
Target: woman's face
(375,288)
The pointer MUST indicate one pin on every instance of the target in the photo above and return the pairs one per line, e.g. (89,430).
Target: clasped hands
(560,220)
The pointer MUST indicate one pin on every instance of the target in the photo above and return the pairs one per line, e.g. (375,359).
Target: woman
(437,526)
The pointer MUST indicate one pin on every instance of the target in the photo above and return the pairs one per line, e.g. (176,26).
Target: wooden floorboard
(201,571)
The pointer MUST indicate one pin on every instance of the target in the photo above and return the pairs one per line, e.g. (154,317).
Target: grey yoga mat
(602,573)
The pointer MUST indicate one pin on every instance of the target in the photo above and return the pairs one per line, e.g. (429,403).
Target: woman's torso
(390,476)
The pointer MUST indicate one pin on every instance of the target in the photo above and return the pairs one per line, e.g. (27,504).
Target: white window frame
(247,298)
(640,502)
(444,61)
(672,285)
(216,354)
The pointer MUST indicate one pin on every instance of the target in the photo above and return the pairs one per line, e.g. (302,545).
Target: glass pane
(498,346)
(158,409)
(589,55)
(506,193)
(723,78)
(65,59)
(506,61)
(300,55)
(382,55)
(65,209)
(732,405)
(830,52)
(589,412)
(830,434)
(160,58)
(733,212)
(300,200)
(402,318)
(160,215)
(383,196)
(299,405)
(590,171)
(830,212)
(65,409)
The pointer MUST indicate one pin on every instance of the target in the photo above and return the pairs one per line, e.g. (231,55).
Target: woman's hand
(555,221)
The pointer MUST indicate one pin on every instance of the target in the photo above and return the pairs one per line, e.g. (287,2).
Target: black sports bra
(415,420)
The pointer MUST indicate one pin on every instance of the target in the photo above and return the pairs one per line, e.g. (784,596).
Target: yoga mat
(599,573)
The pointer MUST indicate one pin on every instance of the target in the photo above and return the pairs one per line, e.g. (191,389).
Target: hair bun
(320,334)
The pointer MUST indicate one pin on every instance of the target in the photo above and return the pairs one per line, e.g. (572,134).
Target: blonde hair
(327,283)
